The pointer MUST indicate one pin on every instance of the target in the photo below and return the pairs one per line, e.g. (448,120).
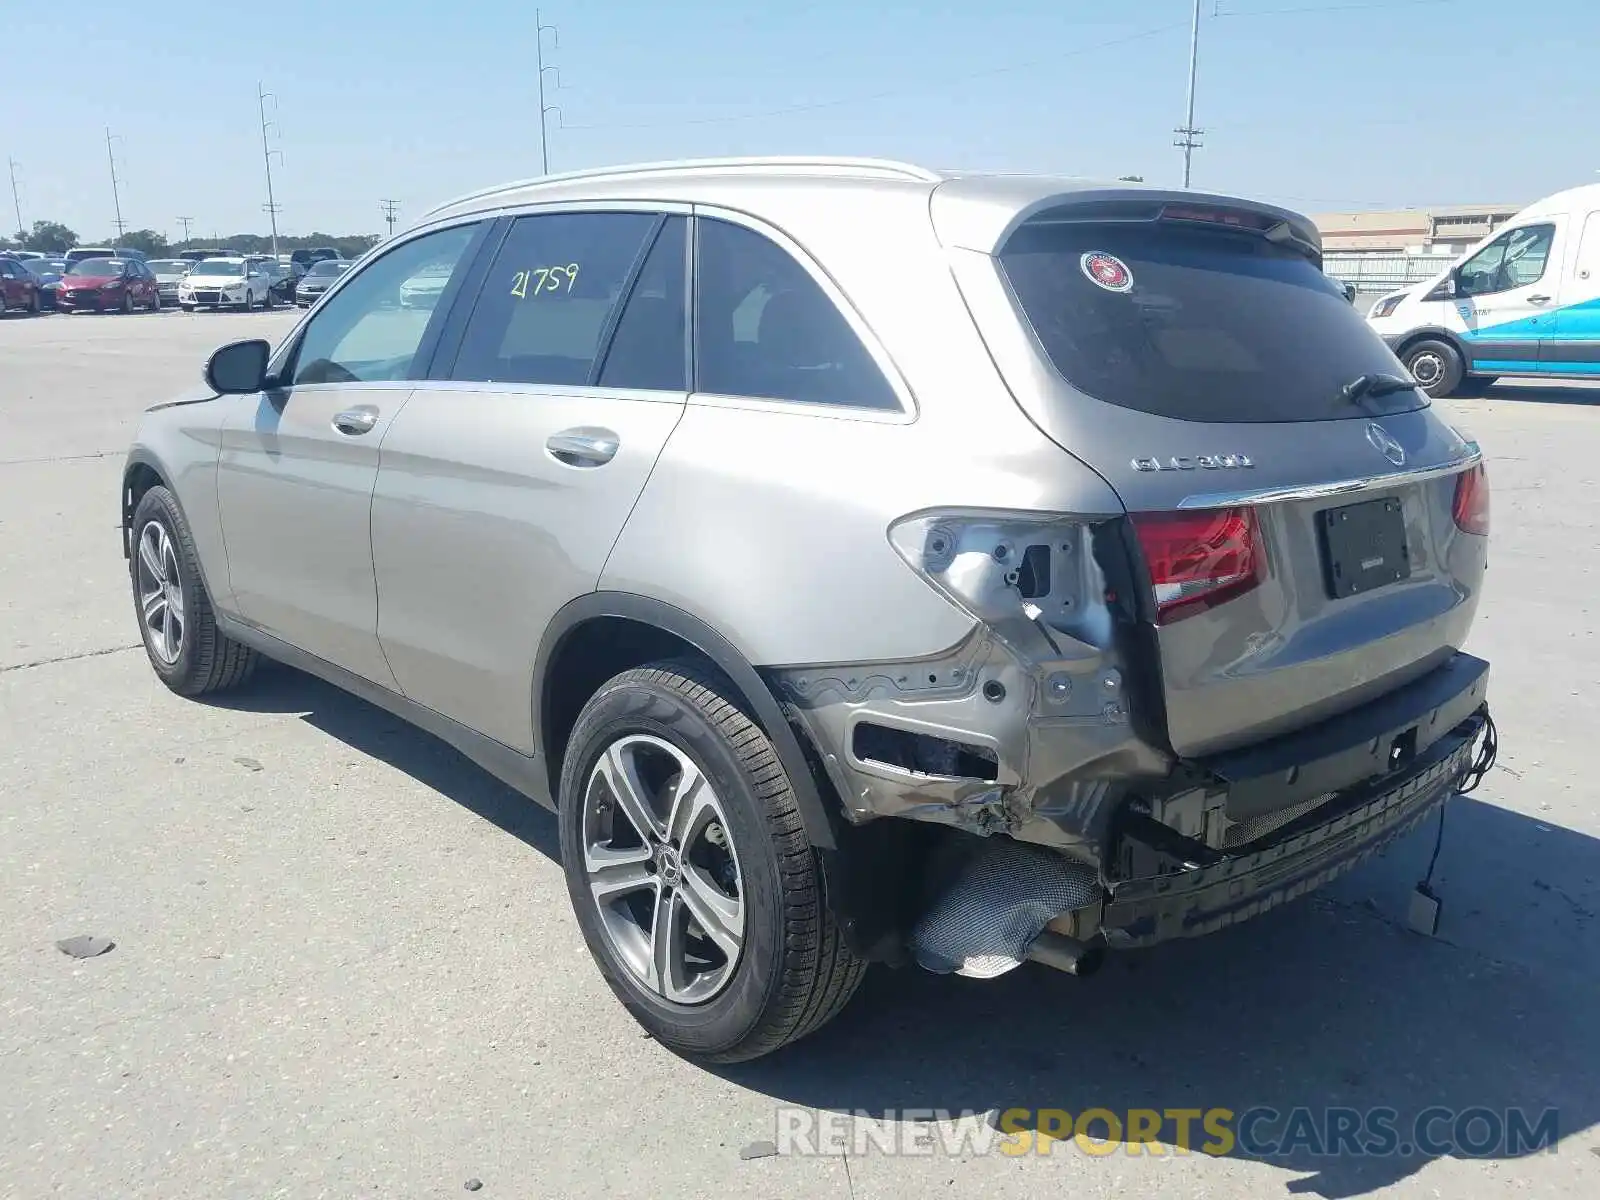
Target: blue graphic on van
(1576,322)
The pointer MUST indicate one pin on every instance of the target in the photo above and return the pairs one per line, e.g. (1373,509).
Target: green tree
(147,240)
(51,237)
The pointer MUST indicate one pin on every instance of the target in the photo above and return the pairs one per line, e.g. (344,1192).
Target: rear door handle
(583,447)
(1538,299)
(356,421)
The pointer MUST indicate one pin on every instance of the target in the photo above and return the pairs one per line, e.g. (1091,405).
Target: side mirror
(1350,292)
(239,368)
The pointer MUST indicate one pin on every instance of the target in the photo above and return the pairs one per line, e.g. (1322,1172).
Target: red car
(19,287)
(98,284)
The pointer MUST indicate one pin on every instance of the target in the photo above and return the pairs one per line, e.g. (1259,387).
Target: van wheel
(694,884)
(186,649)
(1436,366)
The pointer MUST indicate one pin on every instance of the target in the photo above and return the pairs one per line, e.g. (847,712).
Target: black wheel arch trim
(764,706)
(1436,333)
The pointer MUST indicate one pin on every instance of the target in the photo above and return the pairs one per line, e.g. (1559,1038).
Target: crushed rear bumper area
(1302,857)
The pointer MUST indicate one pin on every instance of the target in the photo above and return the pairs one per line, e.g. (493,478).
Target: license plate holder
(1364,547)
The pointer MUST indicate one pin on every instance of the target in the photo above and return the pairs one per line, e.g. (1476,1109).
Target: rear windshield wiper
(1364,387)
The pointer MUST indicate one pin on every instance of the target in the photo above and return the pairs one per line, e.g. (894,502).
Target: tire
(127,302)
(206,660)
(1435,365)
(35,306)
(155,302)
(792,971)
(267,301)
(188,308)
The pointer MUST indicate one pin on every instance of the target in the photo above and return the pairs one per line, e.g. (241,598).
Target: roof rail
(858,166)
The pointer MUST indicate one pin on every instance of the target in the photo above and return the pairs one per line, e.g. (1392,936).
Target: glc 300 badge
(1200,462)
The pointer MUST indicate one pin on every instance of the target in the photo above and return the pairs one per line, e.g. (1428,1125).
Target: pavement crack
(61,658)
(56,458)
(849,1183)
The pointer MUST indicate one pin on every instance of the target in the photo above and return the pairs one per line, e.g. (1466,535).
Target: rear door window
(1201,324)
(764,328)
(548,300)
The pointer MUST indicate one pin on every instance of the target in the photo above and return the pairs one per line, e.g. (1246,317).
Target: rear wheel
(694,884)
(186,649)
(1435,365)
(127,301)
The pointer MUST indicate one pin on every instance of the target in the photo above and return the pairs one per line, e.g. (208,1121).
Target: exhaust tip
(1062,953)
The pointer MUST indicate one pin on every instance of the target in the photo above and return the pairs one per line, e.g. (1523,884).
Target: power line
(185,222)
(116,198)
(540,29)
(1188,135)
(271,206)
(390,207)
(940,85)
(16,196)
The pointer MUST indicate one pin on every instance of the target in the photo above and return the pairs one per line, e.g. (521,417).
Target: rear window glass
(1194,323)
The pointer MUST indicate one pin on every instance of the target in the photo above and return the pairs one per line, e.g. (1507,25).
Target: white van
(1525,301)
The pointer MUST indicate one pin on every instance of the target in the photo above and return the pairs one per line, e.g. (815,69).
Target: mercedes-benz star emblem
(1383,441)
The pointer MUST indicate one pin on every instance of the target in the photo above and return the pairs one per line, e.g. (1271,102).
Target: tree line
(52,237)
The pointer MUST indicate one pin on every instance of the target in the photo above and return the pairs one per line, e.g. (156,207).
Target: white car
(225,283)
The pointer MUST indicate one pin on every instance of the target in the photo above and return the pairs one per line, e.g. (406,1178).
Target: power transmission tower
(1188,139)
(185,222)
(16,196)
(116,197)
(390,207)
(271,206)
(540,29)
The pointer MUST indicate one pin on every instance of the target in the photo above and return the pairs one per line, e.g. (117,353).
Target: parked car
(424,289)
(322,276)
(1520,302)
(20,288)
(99,284)
(24,255)
(82,253)
(169,273)
(48,271)
(325,254)
(203,253)
(1165,629)
(225,283)
(281,279)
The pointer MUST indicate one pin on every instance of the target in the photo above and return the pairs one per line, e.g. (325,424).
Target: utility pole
(16,196)
(1188,136)
(390,207)
(185,222)
(540,29)
(271,205)
(116,198)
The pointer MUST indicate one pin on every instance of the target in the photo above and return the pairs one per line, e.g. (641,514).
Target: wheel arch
(603,633)
(140,473)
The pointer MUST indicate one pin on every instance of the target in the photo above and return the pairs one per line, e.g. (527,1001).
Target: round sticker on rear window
(1107,270)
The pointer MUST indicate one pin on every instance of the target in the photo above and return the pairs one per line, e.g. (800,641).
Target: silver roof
(973,210)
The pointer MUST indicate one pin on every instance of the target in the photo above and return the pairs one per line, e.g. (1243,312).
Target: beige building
(1445,231)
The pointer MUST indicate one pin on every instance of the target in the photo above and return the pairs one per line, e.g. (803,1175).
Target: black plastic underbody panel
(1355,746)
(1142,912)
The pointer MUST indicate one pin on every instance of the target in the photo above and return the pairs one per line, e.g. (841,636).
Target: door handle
(356,421)
(583,447)
(1538,299)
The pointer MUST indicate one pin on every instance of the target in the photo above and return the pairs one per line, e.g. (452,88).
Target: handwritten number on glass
(544,279)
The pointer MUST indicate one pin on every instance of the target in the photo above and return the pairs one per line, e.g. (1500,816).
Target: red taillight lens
(1198,560)
(1471,507)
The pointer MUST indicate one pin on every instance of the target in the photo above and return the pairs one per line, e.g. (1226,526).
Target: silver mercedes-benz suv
(867,563)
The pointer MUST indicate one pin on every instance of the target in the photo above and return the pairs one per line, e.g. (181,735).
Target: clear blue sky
(1348,104)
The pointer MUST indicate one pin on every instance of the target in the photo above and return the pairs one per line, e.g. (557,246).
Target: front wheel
(694,884)
(186,649)
(155,302)
(1436,366)
(188,308)
(127,302)
(249,301)
(34,305)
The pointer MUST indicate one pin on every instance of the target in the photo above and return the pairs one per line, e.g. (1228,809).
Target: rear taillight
(1197,560)
(1471,507)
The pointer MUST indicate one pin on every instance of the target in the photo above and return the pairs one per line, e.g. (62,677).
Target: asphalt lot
(345,964)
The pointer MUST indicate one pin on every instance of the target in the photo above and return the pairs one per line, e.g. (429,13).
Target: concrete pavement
(345,964)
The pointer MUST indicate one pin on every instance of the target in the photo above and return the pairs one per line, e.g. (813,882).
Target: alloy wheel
(160,592)
(663,870)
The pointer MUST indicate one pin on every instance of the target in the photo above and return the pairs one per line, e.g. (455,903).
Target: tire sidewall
(1452,367)
(158,504)
(626,707)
